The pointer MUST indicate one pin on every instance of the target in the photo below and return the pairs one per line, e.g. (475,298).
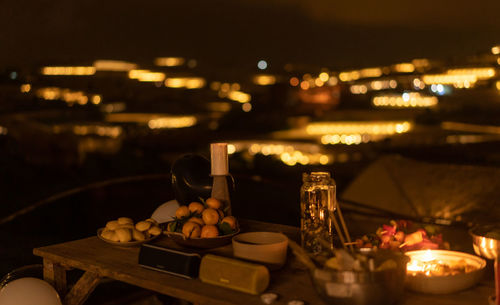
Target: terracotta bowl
(268,248)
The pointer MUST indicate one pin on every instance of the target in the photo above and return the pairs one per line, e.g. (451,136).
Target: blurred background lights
(192,63)
(404,68)
(318,82)
(99,130)
(438,89)
(25,88)
(96,99)
(479,73)
(172,122)
(264,80)
(247,107)
(235,86)
(324,77)
(375,85)
(225,87)
(215,86)
(418,84)
(146,75)
(262,64)
(172,62)
(231,149)
(68,70)
(290,153)
(113,107)
(66,95)
(239,96)
(113,65)
(185,82)
(332,81)
(348,128)
(195,83)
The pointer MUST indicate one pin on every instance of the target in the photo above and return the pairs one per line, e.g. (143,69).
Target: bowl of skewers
(357,278)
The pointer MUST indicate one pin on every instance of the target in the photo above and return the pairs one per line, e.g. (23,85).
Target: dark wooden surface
(291,282)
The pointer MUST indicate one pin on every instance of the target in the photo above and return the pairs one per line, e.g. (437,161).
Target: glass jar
(317,204)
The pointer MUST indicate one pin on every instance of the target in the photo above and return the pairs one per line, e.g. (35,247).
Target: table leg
(55,274)
(82,289)
(497,280)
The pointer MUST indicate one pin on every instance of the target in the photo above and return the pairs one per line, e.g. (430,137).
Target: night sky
(336,34)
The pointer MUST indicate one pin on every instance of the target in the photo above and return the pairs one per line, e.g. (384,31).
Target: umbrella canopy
(421,189)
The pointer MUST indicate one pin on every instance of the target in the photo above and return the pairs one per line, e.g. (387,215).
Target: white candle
(219,159)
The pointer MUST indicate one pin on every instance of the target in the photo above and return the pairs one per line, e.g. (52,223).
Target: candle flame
(422,263)
(428,256)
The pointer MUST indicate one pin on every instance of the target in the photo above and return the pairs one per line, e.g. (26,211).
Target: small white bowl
(268,248)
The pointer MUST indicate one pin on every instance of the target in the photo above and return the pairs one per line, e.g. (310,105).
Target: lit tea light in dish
(440,263)
(442,271)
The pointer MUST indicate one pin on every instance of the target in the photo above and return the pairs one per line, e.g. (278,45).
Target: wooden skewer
(344,227)
(337,228)
(301,255)
(326,244)
(350,243)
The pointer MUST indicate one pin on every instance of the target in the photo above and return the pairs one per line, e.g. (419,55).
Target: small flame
(421,263)
(414,266)
(428,256)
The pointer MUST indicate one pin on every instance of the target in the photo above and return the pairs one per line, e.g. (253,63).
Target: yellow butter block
(234,274)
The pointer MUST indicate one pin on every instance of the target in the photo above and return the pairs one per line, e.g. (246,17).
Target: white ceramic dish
(268,248)
(450,283)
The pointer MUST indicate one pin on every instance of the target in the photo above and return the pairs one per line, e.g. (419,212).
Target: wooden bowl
(125,244)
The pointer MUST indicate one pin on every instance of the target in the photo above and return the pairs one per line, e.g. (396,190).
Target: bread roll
(155,231)
(143,225)
(125,220)
(110,235)
(112,225)
(126,226)
(137,235)
(151,220)
(115,238)
(124,235)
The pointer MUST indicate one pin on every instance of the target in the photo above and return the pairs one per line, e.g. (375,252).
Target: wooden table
(101,260)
